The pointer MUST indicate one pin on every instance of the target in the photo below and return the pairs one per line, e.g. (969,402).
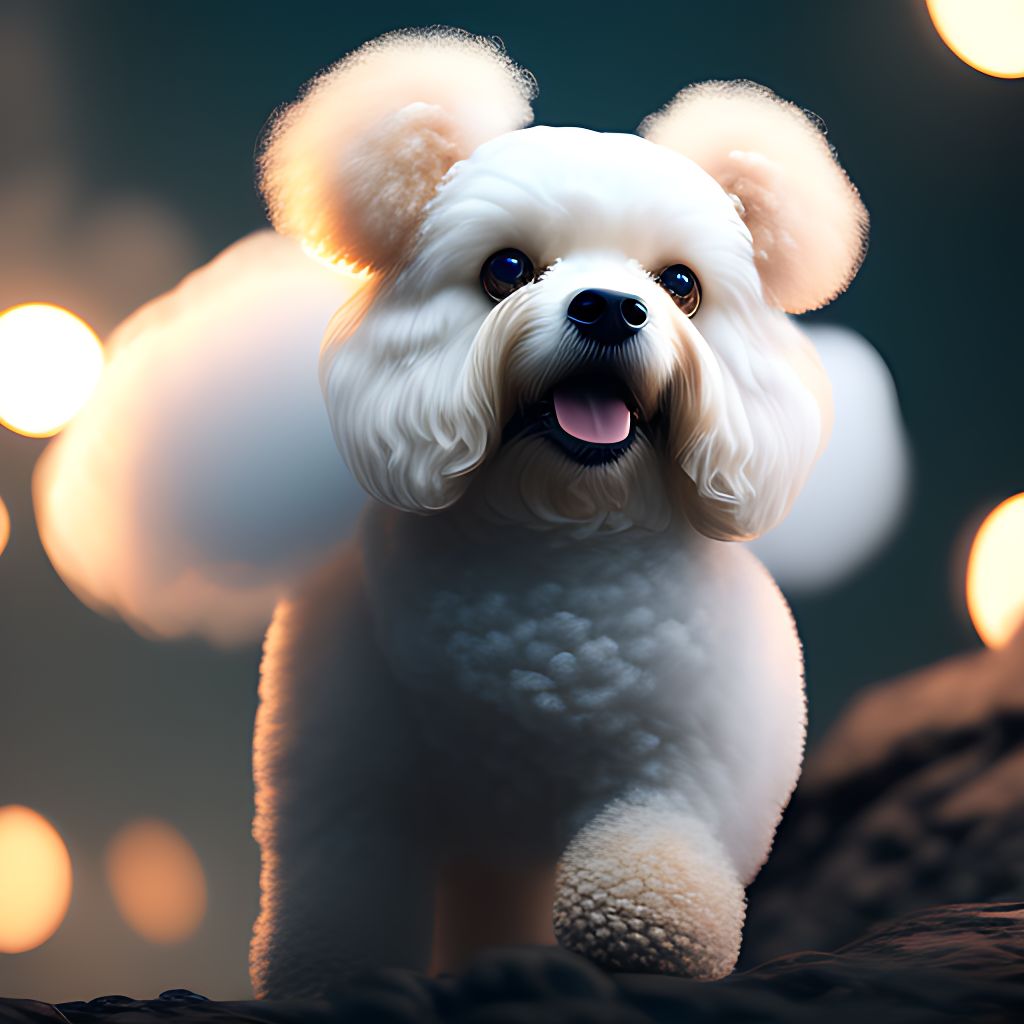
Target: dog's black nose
(609,318)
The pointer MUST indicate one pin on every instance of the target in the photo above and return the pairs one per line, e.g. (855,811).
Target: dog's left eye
(504,272)
(682,284)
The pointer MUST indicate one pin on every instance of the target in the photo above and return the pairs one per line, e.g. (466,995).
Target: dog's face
(589,328)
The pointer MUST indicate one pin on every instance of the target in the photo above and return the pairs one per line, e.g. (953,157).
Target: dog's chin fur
(421,386)
(532,483)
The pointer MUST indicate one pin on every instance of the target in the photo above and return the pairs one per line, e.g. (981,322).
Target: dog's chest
(529,652)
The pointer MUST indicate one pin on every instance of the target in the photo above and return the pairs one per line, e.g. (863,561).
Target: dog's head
(593,326)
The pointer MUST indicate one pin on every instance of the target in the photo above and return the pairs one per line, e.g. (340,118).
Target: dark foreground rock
(901,857)
(915,798)
(949,963)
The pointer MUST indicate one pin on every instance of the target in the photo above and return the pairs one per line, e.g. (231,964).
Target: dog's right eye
(504,272)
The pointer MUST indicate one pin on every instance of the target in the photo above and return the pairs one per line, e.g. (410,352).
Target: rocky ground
(901,858)
(915,798)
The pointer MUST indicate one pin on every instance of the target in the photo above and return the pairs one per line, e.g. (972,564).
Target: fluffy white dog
(538,680)
(537,694)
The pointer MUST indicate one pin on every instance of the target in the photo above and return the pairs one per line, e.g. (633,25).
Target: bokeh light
(986,34)
(5,526)
(857,492)
(210,416)
(50,362)
(995,574)
(157,881)
(35,879)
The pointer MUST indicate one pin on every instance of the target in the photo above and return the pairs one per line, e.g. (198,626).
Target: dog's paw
(640,889)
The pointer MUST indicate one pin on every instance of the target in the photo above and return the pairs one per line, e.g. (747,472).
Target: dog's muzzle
(590,414)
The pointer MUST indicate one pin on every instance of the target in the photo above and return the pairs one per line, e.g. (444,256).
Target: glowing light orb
(986,34)
(157,881)
(5,526)
(35,879)
(50,362)
(995,574)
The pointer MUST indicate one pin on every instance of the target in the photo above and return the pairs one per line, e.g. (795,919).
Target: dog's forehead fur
(554,191)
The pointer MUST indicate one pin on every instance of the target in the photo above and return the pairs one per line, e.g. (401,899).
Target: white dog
(537,695)
(569,380)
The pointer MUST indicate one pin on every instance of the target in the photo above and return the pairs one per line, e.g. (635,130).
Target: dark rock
(182,1005)
(948,963)
(915,798)
(535,974)
(28,1011)
(386,996)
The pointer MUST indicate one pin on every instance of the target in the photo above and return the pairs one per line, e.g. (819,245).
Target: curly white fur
(552,657)
(646,887)
(522,662)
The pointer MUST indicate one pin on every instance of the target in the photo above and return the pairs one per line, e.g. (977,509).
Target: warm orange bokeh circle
(995,574)
(35,879)
(157,881)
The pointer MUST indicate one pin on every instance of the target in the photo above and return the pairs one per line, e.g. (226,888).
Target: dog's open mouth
(591,417)
(592,410)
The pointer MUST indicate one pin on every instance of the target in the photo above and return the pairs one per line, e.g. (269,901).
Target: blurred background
(127,160)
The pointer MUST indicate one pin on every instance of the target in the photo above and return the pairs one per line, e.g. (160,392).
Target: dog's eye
(682,284)
(504,272)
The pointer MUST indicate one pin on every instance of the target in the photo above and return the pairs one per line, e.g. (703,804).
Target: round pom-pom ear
(808,224)
(349,167)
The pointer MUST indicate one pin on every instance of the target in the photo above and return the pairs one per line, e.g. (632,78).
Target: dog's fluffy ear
(350,166)
(807,221)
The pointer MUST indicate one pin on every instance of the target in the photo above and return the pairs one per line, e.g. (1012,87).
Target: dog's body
(479,701)
(538,695)
(538,681)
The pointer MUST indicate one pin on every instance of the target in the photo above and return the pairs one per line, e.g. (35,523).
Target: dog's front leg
(347,880)
(355,896)
(646,887)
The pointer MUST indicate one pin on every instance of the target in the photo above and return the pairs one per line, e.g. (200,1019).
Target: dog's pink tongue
(591,413)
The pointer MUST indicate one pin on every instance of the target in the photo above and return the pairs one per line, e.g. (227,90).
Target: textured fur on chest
(574,660)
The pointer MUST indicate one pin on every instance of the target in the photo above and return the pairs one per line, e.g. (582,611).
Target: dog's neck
(459,535)
(509,499)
